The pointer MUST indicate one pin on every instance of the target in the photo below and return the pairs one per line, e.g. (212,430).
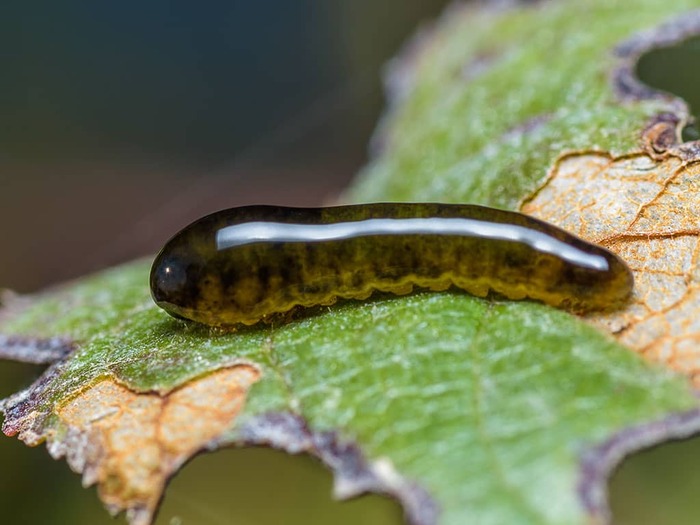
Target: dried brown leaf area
(130,443)
(647,210)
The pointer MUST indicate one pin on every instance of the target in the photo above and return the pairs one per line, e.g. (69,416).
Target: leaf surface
(466,410)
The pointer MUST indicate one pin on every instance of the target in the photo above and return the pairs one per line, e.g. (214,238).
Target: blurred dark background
(122,122)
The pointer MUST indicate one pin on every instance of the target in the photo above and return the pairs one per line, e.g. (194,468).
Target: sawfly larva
(242,265)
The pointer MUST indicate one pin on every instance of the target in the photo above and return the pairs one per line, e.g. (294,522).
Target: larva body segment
(241,265)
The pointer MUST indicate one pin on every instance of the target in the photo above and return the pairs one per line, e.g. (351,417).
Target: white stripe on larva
(255,232)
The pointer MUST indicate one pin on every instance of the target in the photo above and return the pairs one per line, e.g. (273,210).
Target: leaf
(465,410)
(653,224)
(484,404)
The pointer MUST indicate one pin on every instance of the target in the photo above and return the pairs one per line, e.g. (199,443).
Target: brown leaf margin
(662,136)
(20,410)
(35,351)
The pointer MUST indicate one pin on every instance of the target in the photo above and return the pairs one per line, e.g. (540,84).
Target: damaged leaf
(130,443)
(455,406)
(465,410)
(646,211)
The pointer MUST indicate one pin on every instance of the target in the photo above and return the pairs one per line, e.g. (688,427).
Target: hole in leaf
(35,488)
(658,486)
(675,70)
(16,376)
(690,133)
(264,487)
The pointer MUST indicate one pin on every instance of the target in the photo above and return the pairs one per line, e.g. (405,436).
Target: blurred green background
(122,122)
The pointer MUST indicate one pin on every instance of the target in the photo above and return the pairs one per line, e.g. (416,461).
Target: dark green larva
(245,264)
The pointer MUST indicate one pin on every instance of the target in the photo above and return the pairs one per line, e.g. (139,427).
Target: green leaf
(466,410)
(492,97)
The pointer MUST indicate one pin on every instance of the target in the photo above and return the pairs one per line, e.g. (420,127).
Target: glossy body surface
(242,265)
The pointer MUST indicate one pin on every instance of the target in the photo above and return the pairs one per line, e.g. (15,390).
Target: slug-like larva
(244,264)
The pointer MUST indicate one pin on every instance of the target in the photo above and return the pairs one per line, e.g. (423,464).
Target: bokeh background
(124,121)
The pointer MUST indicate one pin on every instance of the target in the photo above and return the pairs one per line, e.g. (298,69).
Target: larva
(241,265)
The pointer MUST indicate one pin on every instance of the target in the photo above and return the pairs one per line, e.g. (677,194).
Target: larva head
(173,281)
(186,277)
